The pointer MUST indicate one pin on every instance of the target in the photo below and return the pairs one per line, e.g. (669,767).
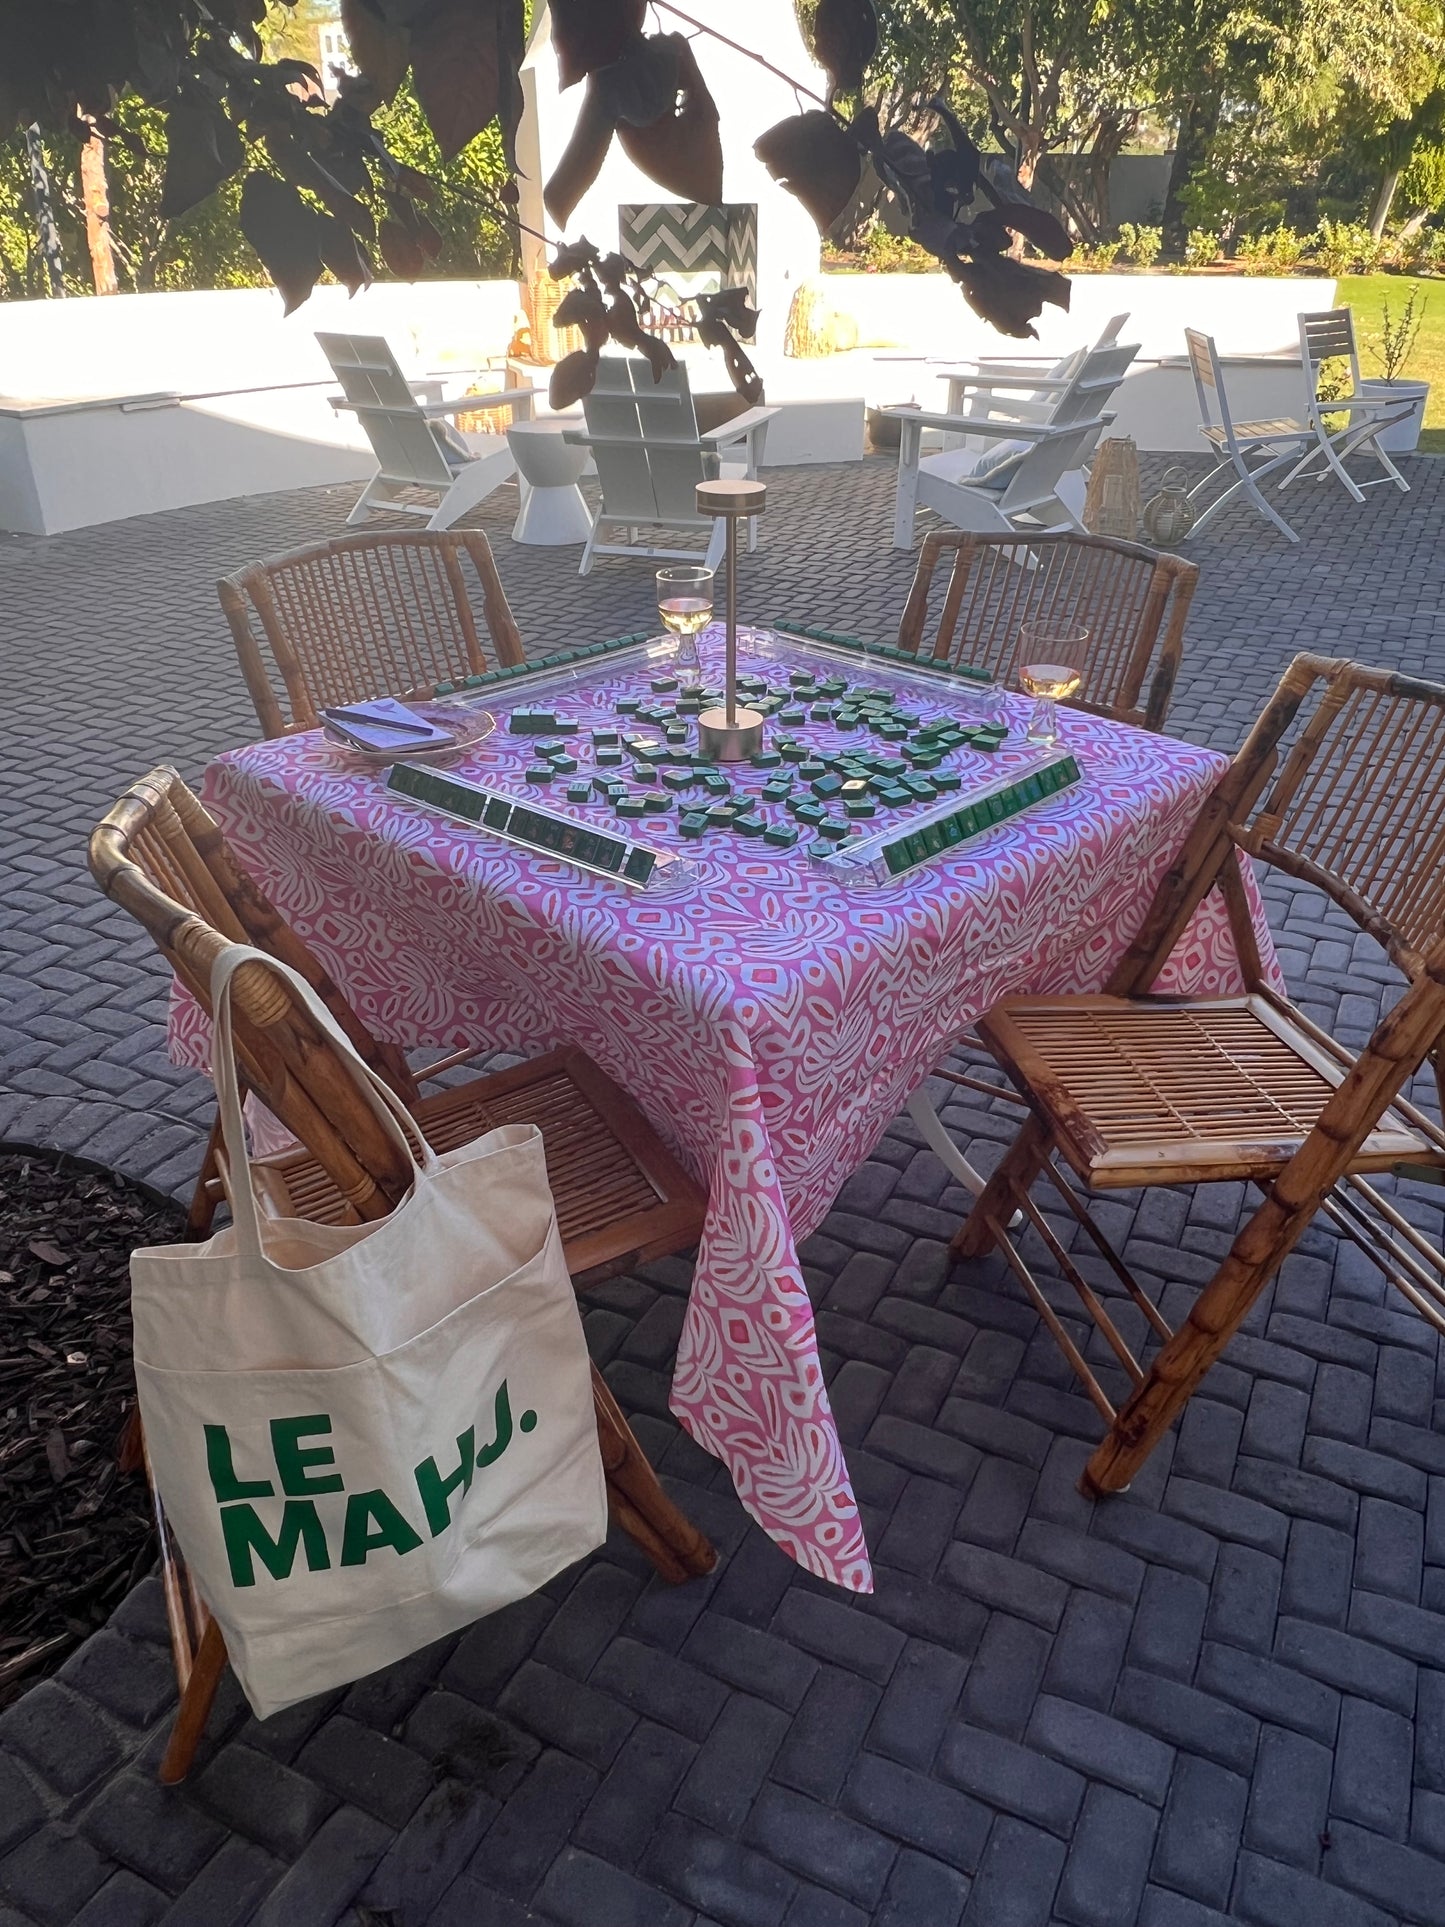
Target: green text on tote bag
(373,1521)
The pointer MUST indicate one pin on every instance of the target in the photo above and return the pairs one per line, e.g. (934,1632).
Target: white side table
(554,511)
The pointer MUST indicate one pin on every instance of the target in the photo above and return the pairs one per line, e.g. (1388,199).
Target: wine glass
(684,601)
(1051,669)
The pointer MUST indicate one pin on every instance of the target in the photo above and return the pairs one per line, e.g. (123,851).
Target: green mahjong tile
(811,769)
(919,786)
(821,713)
(564,765)
(694,823)
(663,685)
(678,779)
(656,804)
(946,779)
(835,828)
(721,815)
(860,806)
(825,787)
(539,773)
(782,834)
(794,752)
(766,759)
(605,738)
(819,850)
(716,785)
(791,715)
(894,796)
(810,812)
(630,806)
(579,792)
(607,758)
(748,823)
(776,791)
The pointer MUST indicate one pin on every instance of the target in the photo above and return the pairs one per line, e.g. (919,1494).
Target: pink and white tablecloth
(769,1025)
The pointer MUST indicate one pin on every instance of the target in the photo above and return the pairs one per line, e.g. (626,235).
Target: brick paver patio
(1220,1696)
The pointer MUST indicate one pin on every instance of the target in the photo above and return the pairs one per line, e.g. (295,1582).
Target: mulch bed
(75,1532)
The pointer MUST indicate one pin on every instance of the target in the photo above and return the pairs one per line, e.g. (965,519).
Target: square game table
(770,957)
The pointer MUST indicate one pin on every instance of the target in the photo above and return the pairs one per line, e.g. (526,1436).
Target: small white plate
(468,727)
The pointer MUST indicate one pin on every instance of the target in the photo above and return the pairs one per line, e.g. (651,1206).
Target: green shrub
(1098,259)
(1347,247)
(1276,251)
(1200,248)
(1141,245)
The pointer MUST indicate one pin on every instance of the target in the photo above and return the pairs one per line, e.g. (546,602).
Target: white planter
(1404,436)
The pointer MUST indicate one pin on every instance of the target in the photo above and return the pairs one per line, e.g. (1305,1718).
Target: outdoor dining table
(770,1023)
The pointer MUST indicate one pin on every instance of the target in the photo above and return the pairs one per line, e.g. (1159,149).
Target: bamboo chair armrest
(468,1054)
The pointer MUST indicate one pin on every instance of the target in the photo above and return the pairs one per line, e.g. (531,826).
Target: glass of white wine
(1051,669)
(684,601)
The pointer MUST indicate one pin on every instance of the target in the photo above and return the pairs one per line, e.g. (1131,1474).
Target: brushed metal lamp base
(721,741)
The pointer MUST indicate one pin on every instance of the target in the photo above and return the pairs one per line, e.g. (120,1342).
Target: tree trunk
(96,190)
(1198,119)
(50,250)
(1384,200)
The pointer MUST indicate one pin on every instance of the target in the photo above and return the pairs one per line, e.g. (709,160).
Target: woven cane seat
(621,1197)
(1140,1092)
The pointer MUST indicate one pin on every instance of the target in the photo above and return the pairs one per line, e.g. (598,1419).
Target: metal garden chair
(1249,450)
(1330,336)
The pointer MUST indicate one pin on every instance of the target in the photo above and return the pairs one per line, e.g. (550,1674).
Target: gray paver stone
(1108,1861)
(1103,1748)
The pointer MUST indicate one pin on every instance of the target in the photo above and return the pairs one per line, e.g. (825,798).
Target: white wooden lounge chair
(1330,336)
(1252,450)
(1026,474)
(650,458)
(1023,388)
(416,448)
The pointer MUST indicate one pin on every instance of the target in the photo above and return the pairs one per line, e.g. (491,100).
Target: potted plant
(1393,349)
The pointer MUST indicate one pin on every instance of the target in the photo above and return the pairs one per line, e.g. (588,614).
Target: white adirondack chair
(1328,336)
(1252,450)
(650,458)
(1023,389)
(1028,474)
(416,448)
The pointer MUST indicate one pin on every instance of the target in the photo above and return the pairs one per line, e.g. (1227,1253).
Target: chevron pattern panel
(674,237)
(741,269)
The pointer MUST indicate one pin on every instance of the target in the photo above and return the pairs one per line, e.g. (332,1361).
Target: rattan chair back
(366,615)
(1352,805)
(1133,600)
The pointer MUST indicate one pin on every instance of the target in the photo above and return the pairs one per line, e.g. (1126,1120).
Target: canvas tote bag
(367,1436)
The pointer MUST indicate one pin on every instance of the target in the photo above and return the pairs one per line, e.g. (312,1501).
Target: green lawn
(1367,294)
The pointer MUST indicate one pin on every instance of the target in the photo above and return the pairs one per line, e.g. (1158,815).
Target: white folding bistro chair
(1330,336)
(416,448)
(1029,474)
(650,458)
(1269,445)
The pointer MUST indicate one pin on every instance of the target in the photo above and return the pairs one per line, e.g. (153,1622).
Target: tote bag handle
(393,1116)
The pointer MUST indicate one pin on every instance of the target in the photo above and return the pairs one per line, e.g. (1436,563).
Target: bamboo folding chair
(622,1198)
(361,616)
(1133,601)
(1125,1090)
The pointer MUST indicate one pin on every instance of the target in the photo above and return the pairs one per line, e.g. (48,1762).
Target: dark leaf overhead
(202,150)
(845,39)
(1009,294)
(991,229)
(815,158)
(657,103)
(589,34)
(572,378)
(285,231)
(682,149)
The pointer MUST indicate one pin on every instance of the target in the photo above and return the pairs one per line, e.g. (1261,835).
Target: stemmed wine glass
(1051,669)
(684,601)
